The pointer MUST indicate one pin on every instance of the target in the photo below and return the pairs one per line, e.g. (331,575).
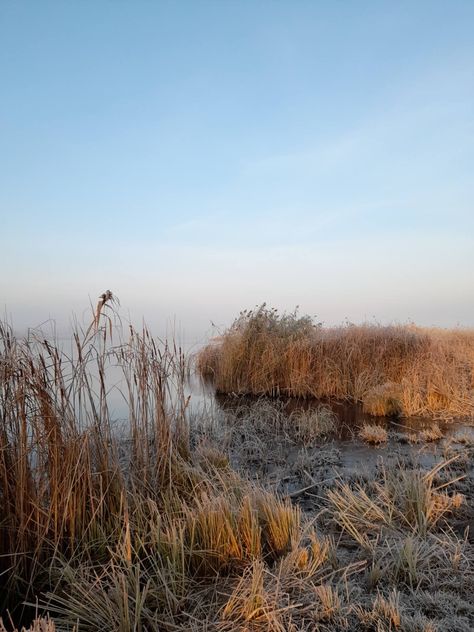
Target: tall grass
(65,472)
(105,527)
(112,527)
(397,369)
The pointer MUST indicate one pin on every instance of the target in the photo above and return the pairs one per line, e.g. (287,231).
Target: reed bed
(391,370)
(110,527)
(135,527)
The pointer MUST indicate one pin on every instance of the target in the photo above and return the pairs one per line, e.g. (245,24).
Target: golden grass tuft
(306,426)
(433,433)
(384,615)
(328,603)
(373,433)
(254,601)
(404,499)
(391,370)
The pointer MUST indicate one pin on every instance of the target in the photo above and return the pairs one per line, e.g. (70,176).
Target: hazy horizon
(200,158)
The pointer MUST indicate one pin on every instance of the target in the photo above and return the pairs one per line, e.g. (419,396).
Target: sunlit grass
(391,370)
(373,433)
(143,529)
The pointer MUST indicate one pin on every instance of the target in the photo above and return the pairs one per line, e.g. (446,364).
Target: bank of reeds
(391,370)
(129,528)
(106,527)
(68,479)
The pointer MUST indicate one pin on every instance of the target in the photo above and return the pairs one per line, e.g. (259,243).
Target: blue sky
(200,157)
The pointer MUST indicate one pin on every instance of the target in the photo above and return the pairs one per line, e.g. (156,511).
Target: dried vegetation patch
(153,530)
(373,433)
(391,370)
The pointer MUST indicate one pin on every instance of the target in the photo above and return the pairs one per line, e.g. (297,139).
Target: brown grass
(41,624)
(105,528)
(64,486)
(373,433)
(431,434)
(404,499)
(119,528)
(391,370)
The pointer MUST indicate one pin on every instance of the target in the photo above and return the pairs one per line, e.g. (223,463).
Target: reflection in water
(349,415)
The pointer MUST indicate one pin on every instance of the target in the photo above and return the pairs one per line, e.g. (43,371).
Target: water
(303,471)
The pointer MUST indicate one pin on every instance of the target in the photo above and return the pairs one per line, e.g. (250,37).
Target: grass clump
(433,433)
(403,499)
(374,434)
(391,370)
(306,426)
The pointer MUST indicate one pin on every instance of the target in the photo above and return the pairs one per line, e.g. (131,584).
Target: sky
(198,158)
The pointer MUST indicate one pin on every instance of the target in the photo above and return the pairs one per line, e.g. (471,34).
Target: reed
(132,528)
(113,527)
(68,479)
(390,370)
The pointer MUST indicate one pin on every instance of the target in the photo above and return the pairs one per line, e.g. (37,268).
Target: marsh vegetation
(391,370)
(246,517)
